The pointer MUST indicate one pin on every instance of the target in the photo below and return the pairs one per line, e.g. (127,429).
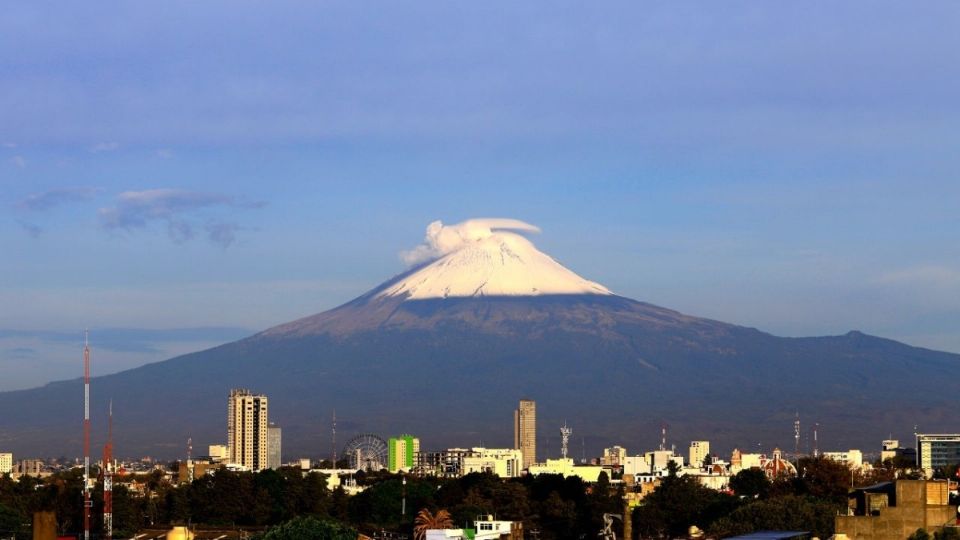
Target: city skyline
(748,165)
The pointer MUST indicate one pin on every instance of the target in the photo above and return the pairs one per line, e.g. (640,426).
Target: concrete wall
(920,505)
(44,526)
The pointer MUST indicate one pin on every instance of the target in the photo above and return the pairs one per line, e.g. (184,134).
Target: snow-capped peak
(482,257)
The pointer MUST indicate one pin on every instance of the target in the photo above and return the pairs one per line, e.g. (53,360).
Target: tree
(310,528)
(789,512)
(676,504)
(750,483)
(919,534)
(10,521)
(427,520)
(947,533)
(824,479)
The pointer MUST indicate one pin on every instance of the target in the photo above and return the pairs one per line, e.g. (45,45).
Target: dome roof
(777,466)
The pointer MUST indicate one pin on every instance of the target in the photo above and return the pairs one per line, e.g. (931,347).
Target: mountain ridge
(640,364)
(431,352)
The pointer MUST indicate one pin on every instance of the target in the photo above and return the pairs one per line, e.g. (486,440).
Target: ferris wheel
(366,452)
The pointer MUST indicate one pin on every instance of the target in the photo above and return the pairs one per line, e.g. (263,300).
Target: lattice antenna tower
(333,438)
(565,433)
(190,459)
(87,501)
(663,436)
(816,450)
(796,436)
(108,479)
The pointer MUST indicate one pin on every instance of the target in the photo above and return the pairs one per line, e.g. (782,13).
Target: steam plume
(443,239)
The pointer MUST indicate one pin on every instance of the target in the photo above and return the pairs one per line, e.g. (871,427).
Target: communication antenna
(565,433)
(190,460)
(663,436)
(108,479)
(87,502)
(333,438)
(796,436)
(816,451)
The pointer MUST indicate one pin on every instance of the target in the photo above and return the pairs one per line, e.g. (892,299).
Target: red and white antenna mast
(108,480)
(87,503)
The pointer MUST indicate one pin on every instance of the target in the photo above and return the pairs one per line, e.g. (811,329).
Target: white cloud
(46,200)
(443,239)
(104,147)
(19,161)
(927,275)
(177,209)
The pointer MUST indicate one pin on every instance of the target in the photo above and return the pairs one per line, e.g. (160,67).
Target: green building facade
(401,452)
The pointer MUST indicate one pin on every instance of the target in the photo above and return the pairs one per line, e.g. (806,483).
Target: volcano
(482,319)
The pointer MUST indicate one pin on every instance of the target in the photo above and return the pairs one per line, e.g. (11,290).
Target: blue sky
(176,175)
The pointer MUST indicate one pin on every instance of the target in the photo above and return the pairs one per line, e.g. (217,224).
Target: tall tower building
(247,429)
(402,452)
(525,431)
(274,453)
(699,450)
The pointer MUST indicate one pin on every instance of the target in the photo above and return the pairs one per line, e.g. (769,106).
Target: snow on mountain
(483,257)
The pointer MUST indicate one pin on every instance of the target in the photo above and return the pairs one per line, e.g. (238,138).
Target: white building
(699,450)
(636,465)
(566,467)
(503,462)
(713,479)
(660,460)
(852,458)
(936,450)
(6,463)
(889,449)
(218,452)
(740,461)
(614,457)
(485,528)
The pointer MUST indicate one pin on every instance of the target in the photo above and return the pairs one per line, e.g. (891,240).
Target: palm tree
(426,520)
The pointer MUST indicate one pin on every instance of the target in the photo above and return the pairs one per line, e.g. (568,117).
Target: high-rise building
(6,463)
(937,450)
(525,431)
(247,429)
(402,452)
(274,452)
(699,450)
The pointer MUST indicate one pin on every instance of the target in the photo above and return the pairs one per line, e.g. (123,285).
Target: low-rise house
(895,510)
